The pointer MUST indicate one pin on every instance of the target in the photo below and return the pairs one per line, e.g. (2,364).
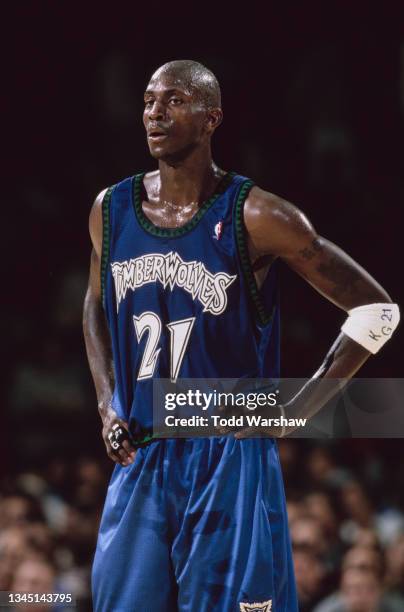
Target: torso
(159,281)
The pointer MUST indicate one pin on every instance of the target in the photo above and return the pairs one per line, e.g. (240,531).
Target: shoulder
(96,212)
(263,207)
(273,223)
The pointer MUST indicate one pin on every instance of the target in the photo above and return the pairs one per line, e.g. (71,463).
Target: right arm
(98,342)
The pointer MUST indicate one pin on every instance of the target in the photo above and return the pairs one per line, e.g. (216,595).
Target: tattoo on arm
(344,277)
(309,253)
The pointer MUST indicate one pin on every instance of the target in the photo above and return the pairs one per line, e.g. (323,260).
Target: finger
(117,457)
(119,439)
(112,456)
(224,431)
(119,443)
(241,434)
(253,432)
(121,452)
(249,432)
(115,451)
(124,456)
(129,448)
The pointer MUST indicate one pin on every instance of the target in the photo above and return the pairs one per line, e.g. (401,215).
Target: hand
(263,432)
(117,439)
(227,412)
(273,431)
(257,430)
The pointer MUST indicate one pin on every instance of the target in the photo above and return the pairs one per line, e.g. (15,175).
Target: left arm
(279,229)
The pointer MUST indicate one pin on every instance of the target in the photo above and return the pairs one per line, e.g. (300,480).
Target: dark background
(313,98)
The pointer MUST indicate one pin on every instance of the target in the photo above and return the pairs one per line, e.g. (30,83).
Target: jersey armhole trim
(106,235)
(264,317)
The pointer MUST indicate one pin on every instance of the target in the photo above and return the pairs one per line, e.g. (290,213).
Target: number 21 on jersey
(180,332)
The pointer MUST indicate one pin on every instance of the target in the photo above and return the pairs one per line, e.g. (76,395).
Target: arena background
(313,99)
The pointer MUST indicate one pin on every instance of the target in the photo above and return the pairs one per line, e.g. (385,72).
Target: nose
(157,111)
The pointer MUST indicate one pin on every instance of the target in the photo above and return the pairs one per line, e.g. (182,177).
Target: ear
(214,117)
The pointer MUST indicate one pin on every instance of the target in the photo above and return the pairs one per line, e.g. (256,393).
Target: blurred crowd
(346,522)
(48,527)
(347,528)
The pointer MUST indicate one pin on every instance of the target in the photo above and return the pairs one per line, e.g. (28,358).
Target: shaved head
(195,77)
(181,110)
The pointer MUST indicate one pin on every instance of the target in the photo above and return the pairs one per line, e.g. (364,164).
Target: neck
(191,180)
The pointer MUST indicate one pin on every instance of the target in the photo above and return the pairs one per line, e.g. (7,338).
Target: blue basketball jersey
(183,302)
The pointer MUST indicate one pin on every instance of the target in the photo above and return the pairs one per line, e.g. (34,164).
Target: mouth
(157,135)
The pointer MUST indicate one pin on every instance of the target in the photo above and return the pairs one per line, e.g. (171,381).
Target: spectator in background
(34,576)
(395,566)
(310,577)
(13,549)
(322,470)
(18,509)
(364,558)
(363,523)
(310,555)
(361,586)
(295,510)
(307,534)
(318,505)
(51,521)
(48,529)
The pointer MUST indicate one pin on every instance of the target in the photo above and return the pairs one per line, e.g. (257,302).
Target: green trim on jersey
(144,439)
(241,239)
(105,240)
(173,232)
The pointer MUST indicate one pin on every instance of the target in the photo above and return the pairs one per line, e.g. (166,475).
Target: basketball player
(184,266)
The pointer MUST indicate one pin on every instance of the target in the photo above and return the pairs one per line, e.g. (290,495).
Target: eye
(148,103)
(175,101)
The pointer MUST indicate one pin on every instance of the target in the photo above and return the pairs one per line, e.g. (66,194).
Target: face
(360,590)
(176,121)
(309,574)
(364,559)
(35,576)
(354,500)
(14,510)
(308,535)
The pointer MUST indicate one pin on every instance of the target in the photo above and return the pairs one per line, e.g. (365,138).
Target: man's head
(307,533)
(182,109)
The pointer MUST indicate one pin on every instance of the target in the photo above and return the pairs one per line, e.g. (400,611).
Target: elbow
(383,297)
(375,293)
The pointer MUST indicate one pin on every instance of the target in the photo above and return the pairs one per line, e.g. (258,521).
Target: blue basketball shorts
(196,525)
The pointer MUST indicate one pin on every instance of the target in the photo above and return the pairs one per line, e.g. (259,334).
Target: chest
(166,215)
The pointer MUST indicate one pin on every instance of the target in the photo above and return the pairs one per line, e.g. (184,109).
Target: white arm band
(372,325)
